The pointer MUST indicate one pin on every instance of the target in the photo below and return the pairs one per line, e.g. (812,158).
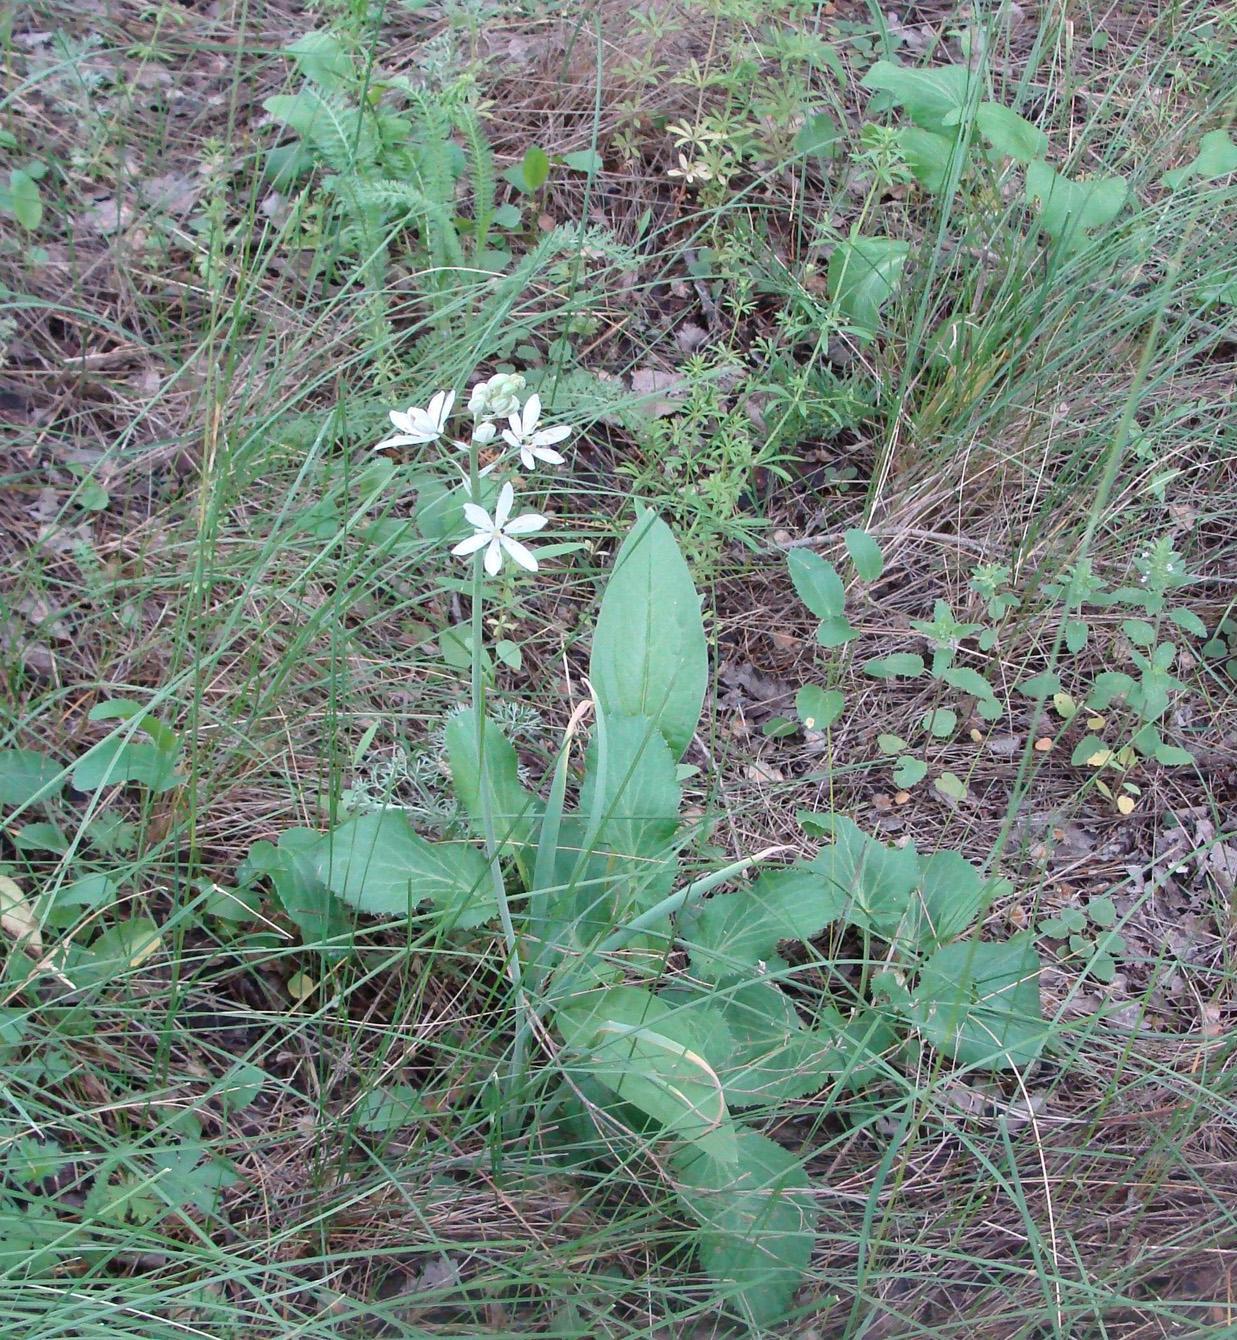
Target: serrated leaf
(902,664)
(1189,621)
(877,881)
(23,775)
(1170,756)
(1043,685)
(979,1002)
(864,273)
(291,866)
(649,656)
(953,895)
(1076,632)
(758,1220)
(818,708)
(817,583)
(485,775)
(940,722)
(865,554)
(732,932)
(967,681)
(1102,910)
(377,864)
(1011,135)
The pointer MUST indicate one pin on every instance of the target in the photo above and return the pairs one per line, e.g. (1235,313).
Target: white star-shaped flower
(416,426)
(534,444)
(494,533)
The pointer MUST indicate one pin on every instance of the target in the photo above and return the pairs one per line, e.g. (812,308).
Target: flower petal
(472,544)
(502,509)
(478,517)
(546,454)
(526,524)
(524,557)
(494,556)
(548,435)
(532,413)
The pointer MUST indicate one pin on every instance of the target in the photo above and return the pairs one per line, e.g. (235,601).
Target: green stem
(487,815)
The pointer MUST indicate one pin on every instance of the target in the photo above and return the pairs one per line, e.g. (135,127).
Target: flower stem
(484,793)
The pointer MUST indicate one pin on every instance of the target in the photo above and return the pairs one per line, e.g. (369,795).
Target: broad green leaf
(633,810)
(1107,687)
(41,837)
(967,681)
(1216,157)
(1171,756)
(864,273)
(25,199)
(733,932)
(979,1002)
(951,785)
(890,744)
(877,882)
(836,632)
(120,950)
(953,894)
(1011,135)
(116,761)
(485,773)
(651,1056)
(865,554)
(1043,685)
(649,655)
(583,160)
(934,98)
(818,136)
(758,1223)
(940,722)
(187,1180)
(1189,621)
(909,771)
(818,708)
(322,59)
(818,584)
(377,864)
(388,1108)
(767,1055)
(929,156)
(328,123)
(122,710)
(291,866)
(1068,210)
(902,664)
(23,775)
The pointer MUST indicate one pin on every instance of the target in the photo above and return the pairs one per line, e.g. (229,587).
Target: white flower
(420,426)
(534,444)
(691,172)
(497,397)
(482,435)
(494,533)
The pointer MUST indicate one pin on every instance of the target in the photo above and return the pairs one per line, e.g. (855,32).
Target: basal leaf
(952,896)
(23,775)
(377,864)
(1069,210)
(979,1002)
(1216,157)
(651,1056)
(875,881)
(864,273)
(733,932)
(758,1223)
(1011,135)
(116,761)
(485,774)
(649,655)
(929,156)
(934,98)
